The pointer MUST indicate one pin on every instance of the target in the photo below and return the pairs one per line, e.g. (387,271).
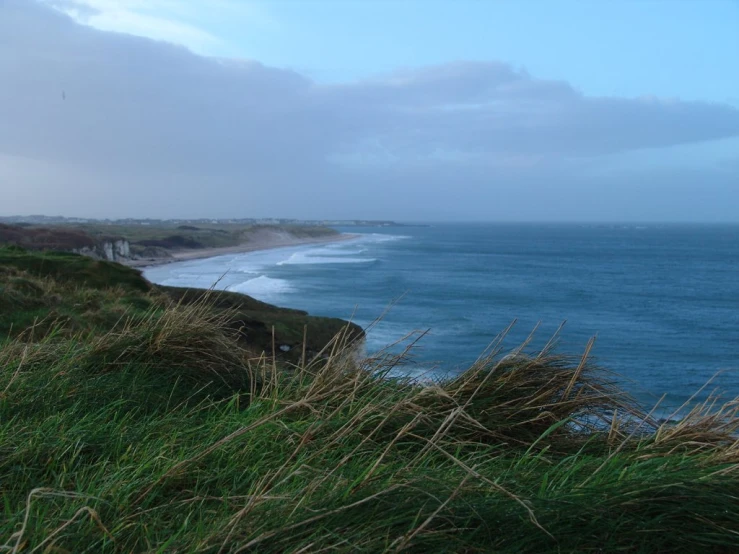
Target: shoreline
(244,248)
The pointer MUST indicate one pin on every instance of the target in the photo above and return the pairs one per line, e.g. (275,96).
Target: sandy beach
(265,241)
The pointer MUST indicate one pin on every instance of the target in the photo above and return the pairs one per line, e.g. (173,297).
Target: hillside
(184,237)
(146,243)
(49,238)
(138,418)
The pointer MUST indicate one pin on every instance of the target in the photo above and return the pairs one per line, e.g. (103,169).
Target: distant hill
(128,243)
(45,238)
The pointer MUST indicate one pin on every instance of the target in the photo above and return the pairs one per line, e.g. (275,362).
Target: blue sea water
(663,300)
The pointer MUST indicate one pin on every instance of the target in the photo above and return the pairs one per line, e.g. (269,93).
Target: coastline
(261,243)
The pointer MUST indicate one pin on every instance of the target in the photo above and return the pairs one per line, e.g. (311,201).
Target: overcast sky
(407,110)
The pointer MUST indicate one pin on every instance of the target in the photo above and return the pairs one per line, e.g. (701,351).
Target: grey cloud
(114,109)
(456,84)
(489,107)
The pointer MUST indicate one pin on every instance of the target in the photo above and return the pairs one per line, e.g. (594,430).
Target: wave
(263,287)
(187,280)
(380,237)
(383,334)
(305,258)
(343,251)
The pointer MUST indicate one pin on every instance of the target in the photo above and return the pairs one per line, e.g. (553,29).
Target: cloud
(77,9)
(171,21)
(149,19)
(101,111)
(490,107)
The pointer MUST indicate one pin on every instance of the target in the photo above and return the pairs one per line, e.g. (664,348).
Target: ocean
(662,300)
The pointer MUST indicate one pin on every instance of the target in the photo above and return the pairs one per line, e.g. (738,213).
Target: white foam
(248,272)
(205,281)
(344,251)
(380,237)
(263,287)
(383,334)
(305,258)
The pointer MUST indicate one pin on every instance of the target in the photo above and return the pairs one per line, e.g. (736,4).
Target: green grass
(71,268)
(43,289)
(164,431)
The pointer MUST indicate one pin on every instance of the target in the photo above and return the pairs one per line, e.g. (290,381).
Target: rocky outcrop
(117,249)
(113,250)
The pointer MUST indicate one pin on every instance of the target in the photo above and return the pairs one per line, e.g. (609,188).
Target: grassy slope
(162,432)
(85,295)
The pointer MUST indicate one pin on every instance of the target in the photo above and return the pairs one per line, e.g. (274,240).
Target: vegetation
(183,237)
(137,420)
(73,295)
(148,241)
(45,238)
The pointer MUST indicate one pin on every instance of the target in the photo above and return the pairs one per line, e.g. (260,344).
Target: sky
(434,110)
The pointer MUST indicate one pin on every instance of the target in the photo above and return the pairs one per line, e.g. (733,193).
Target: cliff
(112,250)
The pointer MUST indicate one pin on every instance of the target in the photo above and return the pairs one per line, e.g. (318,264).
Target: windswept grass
(166,434)
(159,420)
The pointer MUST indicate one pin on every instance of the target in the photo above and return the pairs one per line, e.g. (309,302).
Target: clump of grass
(265,327)
(188,342)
